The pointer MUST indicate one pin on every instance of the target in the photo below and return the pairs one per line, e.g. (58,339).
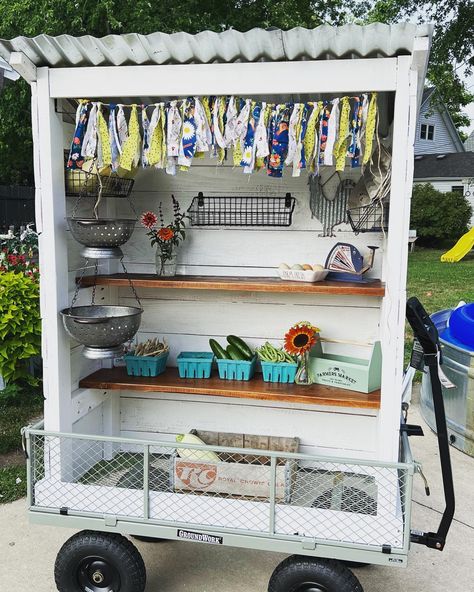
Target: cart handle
(427,334)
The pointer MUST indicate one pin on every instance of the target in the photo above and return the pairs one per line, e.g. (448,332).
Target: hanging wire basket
(241,211)
(80,183)
(372,217)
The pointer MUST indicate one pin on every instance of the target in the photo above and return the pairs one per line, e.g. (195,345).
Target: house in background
(469,143)
(441,158)
(435,130)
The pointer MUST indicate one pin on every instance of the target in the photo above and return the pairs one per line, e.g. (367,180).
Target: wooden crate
(245,475)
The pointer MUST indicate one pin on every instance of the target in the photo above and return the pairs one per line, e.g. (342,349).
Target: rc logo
(196,475)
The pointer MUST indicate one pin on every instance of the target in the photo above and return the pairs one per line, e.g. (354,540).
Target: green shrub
(438,216)
(20,325)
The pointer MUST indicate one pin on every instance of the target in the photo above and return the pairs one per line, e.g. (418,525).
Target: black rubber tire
(115,551)
(356,564)
(145,539)
(310,574)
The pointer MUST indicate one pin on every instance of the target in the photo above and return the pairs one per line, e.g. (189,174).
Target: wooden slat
(238,284)
(169,382)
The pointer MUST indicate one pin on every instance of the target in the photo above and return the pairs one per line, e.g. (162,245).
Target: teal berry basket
(146,365)
(195,364)
(236,369)
(279,371)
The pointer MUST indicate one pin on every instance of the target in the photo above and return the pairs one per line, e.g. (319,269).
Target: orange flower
(165,234)
(300,338)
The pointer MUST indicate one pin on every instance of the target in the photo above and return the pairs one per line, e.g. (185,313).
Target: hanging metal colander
(102,329)
(101,232)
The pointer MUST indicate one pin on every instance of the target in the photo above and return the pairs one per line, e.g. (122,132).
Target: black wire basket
(241,211)
(79,183)
(372,217)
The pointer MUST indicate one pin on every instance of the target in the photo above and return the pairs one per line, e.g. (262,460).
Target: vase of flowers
(167,238)
(298,342)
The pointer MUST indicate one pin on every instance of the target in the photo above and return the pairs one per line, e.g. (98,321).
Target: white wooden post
(51,214)
(395,263)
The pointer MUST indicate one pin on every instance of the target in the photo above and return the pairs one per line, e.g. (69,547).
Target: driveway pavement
(27,552)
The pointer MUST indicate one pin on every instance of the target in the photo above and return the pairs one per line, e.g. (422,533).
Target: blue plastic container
(236,369)
(461,326)
(279,371)
(146,365)
(195,364)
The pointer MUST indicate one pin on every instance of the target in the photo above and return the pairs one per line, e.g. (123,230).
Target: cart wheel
(99,562)
(308,574)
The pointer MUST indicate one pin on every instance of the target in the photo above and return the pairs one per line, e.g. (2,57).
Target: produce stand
(106,457)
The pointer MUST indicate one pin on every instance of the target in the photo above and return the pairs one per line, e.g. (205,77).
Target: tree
(438,216)
(452,52)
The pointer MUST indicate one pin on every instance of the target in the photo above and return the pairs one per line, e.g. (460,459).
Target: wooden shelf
(169,382)
(235,284)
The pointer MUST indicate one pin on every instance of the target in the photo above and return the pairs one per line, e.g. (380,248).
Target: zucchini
(234,354)
(244,349)
(218,350)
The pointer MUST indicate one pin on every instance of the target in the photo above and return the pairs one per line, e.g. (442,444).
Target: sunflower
(300,338)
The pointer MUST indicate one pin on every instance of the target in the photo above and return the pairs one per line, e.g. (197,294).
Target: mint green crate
(236,369)
(354,374)
(146,365)
(279,372)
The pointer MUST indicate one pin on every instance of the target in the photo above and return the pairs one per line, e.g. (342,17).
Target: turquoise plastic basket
(236,369)
(195,364)
(146,365)
(279,371)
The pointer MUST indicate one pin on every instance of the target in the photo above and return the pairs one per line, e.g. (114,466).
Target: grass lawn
(440,285)
(437,285)
(13,416)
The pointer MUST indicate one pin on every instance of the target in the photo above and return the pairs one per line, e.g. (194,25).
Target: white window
(427,132)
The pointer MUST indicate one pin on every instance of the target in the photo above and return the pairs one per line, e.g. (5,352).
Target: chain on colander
(78,285)
(132,287)
(94,287)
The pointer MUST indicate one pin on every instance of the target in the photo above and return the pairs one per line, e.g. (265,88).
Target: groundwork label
(200,537)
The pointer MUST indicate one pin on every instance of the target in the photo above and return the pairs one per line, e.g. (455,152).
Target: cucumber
(218,350)
(244,349)
(234,354)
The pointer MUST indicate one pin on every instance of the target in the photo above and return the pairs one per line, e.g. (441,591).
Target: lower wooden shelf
(169,382)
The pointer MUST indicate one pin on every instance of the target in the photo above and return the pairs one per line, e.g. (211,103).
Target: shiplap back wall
(188,318)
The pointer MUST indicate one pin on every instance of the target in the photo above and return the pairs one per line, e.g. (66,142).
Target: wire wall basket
(372,217)
(89,183)
(82,184)
(241,211)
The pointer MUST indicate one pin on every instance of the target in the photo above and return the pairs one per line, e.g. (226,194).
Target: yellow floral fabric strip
(104,139)
(340,147)
(370,128)
(129,150)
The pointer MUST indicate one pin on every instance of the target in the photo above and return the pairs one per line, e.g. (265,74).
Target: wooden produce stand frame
(81,395)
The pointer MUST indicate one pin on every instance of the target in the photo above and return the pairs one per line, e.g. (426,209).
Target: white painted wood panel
(340,432)
(242,79)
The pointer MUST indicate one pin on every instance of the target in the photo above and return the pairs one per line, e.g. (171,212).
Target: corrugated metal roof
(229,46)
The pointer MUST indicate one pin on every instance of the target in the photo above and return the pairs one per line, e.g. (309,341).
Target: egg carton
(302,275)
